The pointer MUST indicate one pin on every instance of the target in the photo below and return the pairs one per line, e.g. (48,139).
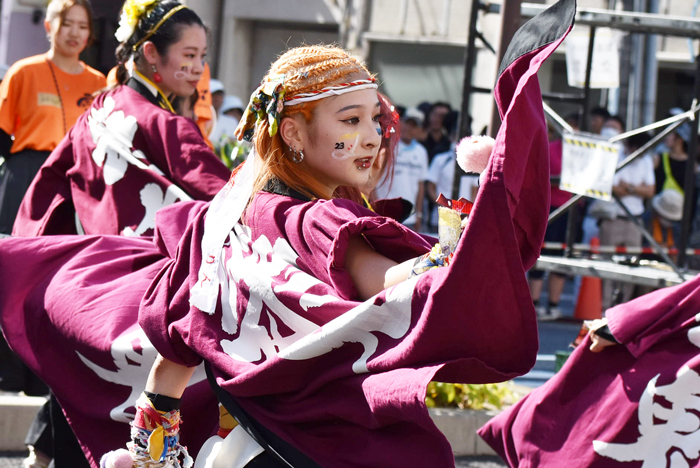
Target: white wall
(20,36)
(254,33)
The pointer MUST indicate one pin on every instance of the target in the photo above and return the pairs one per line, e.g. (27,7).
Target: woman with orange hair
(318,327)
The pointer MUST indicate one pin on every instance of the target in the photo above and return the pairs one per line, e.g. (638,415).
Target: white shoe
(554,313)
(542,314)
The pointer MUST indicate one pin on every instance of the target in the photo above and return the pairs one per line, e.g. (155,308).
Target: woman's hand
(598,343)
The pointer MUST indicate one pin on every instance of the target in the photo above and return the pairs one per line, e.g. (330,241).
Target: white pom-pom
(117,459)
(473,153)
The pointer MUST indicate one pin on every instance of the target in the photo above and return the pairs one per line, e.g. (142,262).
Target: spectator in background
(229,113)
(633,185)
(666,214)
(42,97)
(442,172)
(437,138)
(597,119)
(669,171)
(410,169)
(231,151)
(556,232)
(612,127)
(573,120)
(217,91)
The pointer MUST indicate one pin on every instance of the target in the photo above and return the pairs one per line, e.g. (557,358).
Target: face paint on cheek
(183,72)
(343,151)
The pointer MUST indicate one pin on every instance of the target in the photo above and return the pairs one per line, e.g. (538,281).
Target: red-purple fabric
(327,390)
(70,309)
(633,405)
(84,174)
(559,196)
(342,380)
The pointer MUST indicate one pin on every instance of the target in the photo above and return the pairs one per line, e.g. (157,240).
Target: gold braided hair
(305,69)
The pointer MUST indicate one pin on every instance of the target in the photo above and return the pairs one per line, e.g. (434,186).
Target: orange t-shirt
(30,106)
(202,108)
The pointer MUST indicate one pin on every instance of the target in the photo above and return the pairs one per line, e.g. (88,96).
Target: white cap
(215,86)
(413,113)
(231,102)
(668,204)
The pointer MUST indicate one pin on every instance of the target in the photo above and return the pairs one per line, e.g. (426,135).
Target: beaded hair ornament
(270,98)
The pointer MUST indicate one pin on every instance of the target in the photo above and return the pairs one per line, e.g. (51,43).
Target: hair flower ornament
(132,11)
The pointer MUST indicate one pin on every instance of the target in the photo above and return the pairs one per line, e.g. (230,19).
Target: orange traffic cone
(590,297)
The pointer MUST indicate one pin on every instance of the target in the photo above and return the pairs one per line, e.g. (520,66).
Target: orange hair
(306,69)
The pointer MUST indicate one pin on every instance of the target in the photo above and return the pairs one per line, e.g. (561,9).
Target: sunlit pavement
(14,460)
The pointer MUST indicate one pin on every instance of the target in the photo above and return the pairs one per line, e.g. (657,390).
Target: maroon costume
(632,405)
(124,159)
(287,336)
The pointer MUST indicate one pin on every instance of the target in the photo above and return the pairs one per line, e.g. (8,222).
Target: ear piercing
(156,76)
(297,156)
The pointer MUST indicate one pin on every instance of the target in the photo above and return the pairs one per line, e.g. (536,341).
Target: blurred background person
(217,92)
(633,184)
(597,119)
(441,174)
(556,232)
(231,151)
(41,98)
(670,164)
(436,138)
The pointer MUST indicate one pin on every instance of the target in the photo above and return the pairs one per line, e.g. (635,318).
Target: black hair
(600,111)
(451,121)
(617,119)
(167,34)
(440,104)
(635,142)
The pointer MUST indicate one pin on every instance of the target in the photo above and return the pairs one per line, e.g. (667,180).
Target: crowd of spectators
(651,190)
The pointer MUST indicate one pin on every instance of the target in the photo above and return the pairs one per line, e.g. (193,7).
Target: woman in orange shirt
(41,97)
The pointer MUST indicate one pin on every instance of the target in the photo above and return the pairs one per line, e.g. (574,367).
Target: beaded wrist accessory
(155,438)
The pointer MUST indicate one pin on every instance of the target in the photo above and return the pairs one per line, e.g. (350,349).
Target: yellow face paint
(346,149)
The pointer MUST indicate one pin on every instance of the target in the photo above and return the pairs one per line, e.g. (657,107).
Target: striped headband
(267,102)
(331,91)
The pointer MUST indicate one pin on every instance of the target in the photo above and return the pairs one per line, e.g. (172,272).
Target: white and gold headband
(267,102)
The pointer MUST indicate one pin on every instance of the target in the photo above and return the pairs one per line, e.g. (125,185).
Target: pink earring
(156,76)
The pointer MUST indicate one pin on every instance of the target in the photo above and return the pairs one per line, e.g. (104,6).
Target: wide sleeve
(165,312)
(328,227)
(645,321)
(187,158)
(47,207)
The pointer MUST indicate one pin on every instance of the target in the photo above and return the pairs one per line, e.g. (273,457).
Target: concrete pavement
(14,460)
